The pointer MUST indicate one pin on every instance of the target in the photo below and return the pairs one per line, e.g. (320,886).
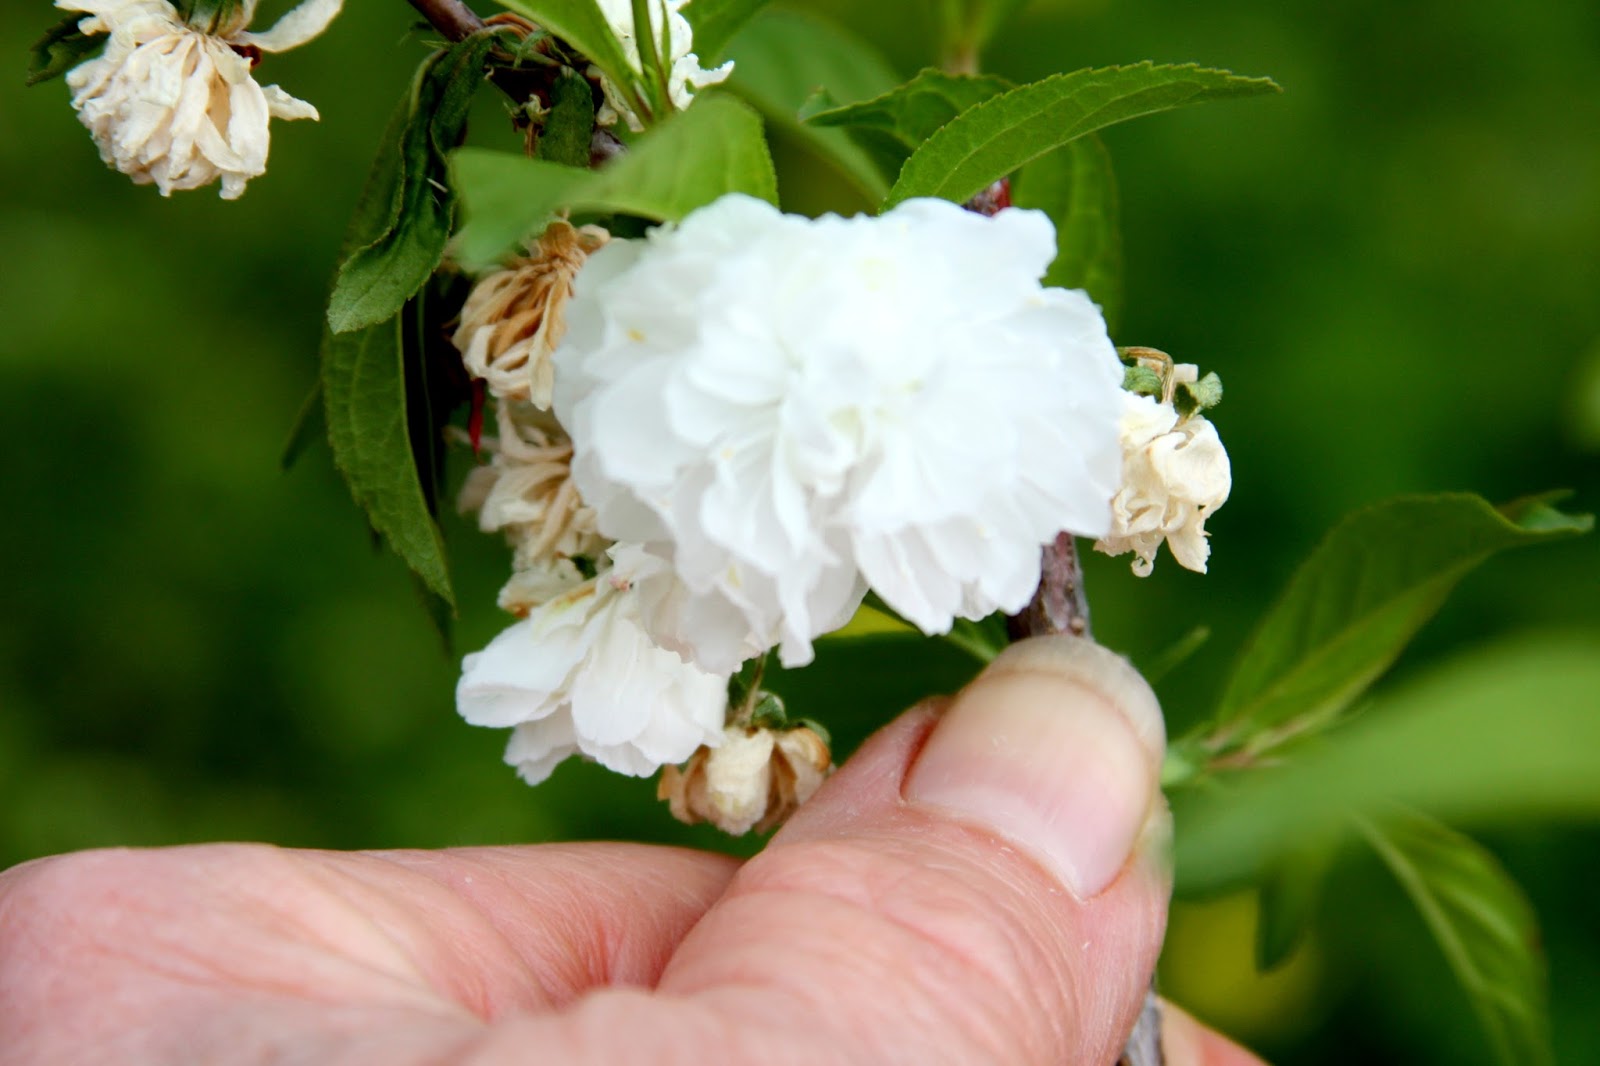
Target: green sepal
(1141,380)
(568,126)
(62,47)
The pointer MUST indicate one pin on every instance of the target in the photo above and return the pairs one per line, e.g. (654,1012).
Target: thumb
(985,885)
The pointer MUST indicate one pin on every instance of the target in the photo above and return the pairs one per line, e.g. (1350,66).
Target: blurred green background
(1395,267)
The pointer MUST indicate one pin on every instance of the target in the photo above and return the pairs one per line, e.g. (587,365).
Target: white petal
(296,28)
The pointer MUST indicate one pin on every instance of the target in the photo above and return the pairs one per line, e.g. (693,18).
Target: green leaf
(715,23)
(1483,923)
(62,47)
(1354,604)
(714,148)
(363,381)
(1501,735)
(891,126)
(1077,188)
(411,223)
(583,25)
(988,142)
(965,26)
(306,424)
(1288,897)
(782,58)
(569,124)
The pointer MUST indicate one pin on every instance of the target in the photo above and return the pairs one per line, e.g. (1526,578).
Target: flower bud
(754,779)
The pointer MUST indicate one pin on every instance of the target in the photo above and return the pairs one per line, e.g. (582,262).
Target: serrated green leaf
(1484,924)
(1355,603)
(891,126)
(1498,736)
(62,47)
(583,25)
(997,137)
(378,277)
(714,148)
(363,381)
(782,58)
(1076,186)
(716,22)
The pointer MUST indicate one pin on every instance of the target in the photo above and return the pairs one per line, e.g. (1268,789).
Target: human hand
(985,886)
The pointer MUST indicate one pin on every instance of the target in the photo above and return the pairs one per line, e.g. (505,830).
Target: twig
(452,18)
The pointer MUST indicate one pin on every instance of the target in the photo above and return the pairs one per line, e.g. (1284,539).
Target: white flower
(176,105)
(789,410)
(514,317)
(684,75)
(1175,473)
(579,675)
(753,780)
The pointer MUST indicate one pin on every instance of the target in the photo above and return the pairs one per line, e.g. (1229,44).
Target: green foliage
(62,47)
(965,26)
(1499,735)
(308,423)
(716,22)
(995,138)
(893,125)
(569,124)
(1076,187)
(1483,923)
(1355,603)
(784,58)
(583,25)
(1289,893)
(364,391)
(413,209)
(714,148)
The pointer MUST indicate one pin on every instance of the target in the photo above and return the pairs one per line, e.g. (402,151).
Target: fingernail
(1057,746)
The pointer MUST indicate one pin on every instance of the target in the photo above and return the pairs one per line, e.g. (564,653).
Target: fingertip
(1185,1042)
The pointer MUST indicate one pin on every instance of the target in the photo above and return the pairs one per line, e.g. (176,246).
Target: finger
(187,954)
(985,887)
(1185,1042)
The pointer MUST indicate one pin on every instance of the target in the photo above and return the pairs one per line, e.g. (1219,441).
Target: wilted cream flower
(1175,473)
(514,318)
(684,74)
(526,490)
(754,779)
(175,104)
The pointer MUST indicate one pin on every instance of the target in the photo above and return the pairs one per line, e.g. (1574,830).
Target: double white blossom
(580,675)
(676,42)
(175,105)
(1175,474)
(788,411)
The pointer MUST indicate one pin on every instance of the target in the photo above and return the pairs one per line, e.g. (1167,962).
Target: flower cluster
(175,104)
(673,41)
(1175,474)
(791,411)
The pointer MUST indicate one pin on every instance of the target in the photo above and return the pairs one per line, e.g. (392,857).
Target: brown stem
(1059,606)
(452,18)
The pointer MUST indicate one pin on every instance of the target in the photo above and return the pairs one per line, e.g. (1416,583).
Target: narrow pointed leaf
(997,137)
(379,276)
(1484,925)
(714,148)
(583,25)
(1499,736)
(1076,187)
(1356,602)
(62,47)
(891,126)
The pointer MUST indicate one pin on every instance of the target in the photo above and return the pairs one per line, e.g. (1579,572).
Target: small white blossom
(753,780)
(684,74)
(514,317)
(1175,473)
(789,410)
(580,675)
(176,105)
